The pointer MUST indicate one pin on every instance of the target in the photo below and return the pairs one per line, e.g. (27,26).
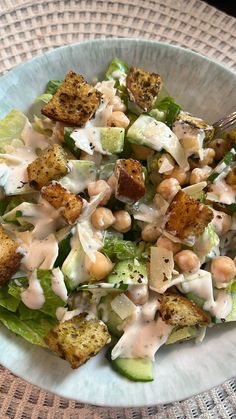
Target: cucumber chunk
(129,272)
(135,369)
(112,320)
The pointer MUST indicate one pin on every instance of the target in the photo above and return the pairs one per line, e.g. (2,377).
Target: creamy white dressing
(191,138)
(33,139)
(89,140)
(222,192)
(138,293)
(13,170)
(38,253)
(143,335)
(81,173)
(90,238)
(42,216)
(200,284)
(158,136)
(58,284)
(33,296)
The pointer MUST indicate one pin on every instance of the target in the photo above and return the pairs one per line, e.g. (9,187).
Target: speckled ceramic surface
(202,87)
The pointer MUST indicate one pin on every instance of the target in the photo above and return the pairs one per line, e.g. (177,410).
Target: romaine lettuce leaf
(31,330)
(52,301)
(11,128)
(6,300)
(166,111)
(116,65)
(64,249)
(52,86)
(119,249)
(45,98)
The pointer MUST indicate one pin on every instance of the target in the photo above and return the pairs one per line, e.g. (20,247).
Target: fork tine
(225,122)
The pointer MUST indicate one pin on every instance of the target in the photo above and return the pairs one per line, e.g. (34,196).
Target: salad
(118,218)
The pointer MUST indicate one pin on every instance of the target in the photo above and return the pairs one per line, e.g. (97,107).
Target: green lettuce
(52,301)
(166,111)
(33,330)
(8,301)
(52,86)
(117,248)
(11,128)
(116,65)
(45,98)
(207,244)
(64,249)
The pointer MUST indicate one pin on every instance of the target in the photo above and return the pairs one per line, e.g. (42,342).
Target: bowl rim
(118,39)
(104,41)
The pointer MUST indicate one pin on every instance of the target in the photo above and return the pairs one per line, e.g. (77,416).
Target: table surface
(28,28)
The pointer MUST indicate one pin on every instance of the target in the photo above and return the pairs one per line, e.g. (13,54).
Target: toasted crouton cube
(9,257)
(51,165)
(78,339)
(143,87)
(187,217)
(191,124)
(60,198)
(130,185)
(74,102)
(179,311)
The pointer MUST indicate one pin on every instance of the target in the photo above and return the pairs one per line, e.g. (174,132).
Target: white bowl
(204,88)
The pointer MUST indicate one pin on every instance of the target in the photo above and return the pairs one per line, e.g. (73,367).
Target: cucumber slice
(135,369)
(112,320)
(129,272)
(81,173)
(112,139)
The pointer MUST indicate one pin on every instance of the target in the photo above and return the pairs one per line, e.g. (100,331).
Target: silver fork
(226,122)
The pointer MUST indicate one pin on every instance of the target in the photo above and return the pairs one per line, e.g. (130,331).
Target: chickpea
(231,177)
(138,294)
(208,157)
(168,188)
(187,261)
(150,233)
(221,222)
(179,174)
(94,188)
(117,104)
(100,268)
(112,182)
(141,152)
(220,147)
(199,175)
(168,244)
(102,218)
(223,271)
(122,221)
(118,119)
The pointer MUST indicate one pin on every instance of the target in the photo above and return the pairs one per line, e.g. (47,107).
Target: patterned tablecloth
(29,27)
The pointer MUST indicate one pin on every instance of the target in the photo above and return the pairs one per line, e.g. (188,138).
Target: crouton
(186,217)
(143,87)
(74,102)
(78,339)
(59,197)
(179,311)
(51,165)
(130,181)
(9,257)
(190,122)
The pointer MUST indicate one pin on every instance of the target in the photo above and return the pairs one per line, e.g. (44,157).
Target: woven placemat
(28,28)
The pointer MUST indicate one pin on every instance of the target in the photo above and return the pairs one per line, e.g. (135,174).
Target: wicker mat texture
(29,27)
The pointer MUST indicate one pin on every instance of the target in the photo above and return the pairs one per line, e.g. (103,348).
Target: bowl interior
(203,88)
(200,85)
